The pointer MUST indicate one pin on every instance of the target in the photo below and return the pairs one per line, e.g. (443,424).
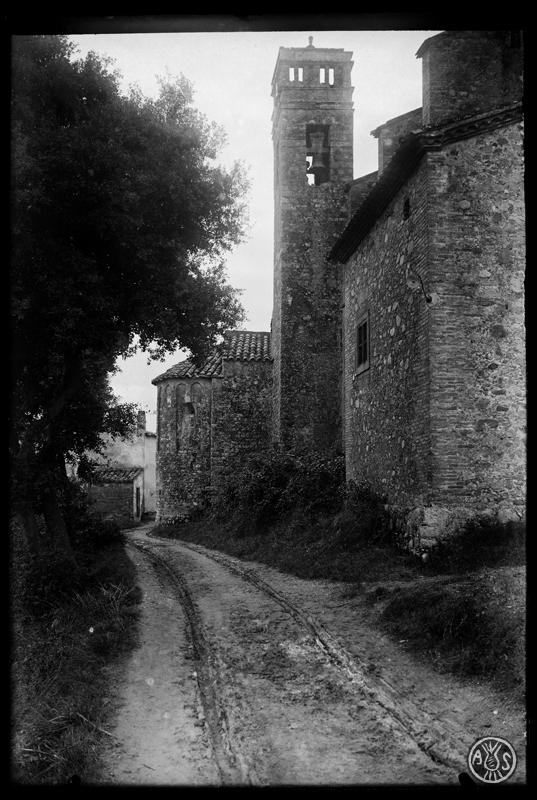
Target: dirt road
(234,682)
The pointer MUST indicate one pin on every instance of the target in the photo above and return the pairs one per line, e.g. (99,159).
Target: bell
(317,161)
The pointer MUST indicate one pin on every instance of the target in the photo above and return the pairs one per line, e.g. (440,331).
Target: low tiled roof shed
(115,474)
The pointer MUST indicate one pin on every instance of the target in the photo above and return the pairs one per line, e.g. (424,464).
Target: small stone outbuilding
(117,493)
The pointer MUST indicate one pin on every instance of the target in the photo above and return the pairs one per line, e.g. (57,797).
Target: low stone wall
(420,528)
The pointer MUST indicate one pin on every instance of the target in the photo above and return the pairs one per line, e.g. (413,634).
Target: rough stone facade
(210,416)
(313,162)
(183,445)
(391,133)
(242,416)
(398,322)
(434,257)
(386,424)
(468,72)
(477,336)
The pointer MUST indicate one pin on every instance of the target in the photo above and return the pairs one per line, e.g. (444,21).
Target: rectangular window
(291,73)
(362,344)
(331,76)
(322,75)
(300,74)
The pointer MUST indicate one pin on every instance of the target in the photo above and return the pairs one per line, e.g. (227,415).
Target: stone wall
(386,406)
(306,324)
(437,422)
(116,500)
(468,72)
(390,134)
(205,427)
(477,333)
(310,335)
(241,422)
(183,446)
(150,458)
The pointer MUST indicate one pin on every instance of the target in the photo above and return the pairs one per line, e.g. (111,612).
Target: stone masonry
(312,130)
(398,322)
(208,416)
(434,256)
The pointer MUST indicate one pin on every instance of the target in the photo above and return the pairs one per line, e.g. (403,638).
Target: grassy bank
(463,609)
(68,635)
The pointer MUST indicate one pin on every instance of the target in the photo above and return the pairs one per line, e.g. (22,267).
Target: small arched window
(180,393)
(186,430)
(195,392)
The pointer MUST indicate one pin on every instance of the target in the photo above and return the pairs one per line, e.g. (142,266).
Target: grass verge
(68,636)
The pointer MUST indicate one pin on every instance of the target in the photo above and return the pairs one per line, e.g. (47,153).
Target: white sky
(232,73)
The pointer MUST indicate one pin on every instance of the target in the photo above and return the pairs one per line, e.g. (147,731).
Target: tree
(120,222)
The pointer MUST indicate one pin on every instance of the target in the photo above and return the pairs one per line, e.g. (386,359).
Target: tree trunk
(56,527)
(26,517)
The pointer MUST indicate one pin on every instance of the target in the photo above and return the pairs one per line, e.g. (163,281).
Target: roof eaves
(403,163)
(424,46)
(376,131)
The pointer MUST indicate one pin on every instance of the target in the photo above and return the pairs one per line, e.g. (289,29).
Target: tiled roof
(246,346)
(106,474)
(211,368)
(237,346)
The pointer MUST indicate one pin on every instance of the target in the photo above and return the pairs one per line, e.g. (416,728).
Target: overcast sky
(232,73)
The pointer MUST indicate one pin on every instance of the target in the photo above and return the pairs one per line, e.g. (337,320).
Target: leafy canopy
(121,220)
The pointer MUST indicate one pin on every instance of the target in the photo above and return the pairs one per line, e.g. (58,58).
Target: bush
(365,516)
(268,487)
(87,530)
(481,542)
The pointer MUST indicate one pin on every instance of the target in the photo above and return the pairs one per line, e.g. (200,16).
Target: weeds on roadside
(471,624)
(67,631)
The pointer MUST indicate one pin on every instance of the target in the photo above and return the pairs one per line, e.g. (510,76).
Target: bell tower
(312,131)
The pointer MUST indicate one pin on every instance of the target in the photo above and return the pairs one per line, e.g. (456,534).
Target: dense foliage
(121,219)
(264,488)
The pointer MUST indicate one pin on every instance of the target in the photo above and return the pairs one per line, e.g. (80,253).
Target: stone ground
(245,675)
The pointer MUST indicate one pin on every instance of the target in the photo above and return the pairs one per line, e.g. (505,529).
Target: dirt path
(248,676)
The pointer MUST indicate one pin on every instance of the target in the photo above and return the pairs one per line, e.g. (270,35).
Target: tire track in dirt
(417,724)
(229,761)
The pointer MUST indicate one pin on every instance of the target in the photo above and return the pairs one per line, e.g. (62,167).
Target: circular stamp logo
(492,760)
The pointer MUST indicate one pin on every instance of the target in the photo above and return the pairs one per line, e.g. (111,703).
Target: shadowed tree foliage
(120,222)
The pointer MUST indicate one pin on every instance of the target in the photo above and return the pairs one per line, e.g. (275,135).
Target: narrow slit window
(331,76)
(362,344)
(300,74)
(317,154)
(291,73)
(322,75)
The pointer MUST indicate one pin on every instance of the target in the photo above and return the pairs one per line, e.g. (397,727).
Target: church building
(397,334)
